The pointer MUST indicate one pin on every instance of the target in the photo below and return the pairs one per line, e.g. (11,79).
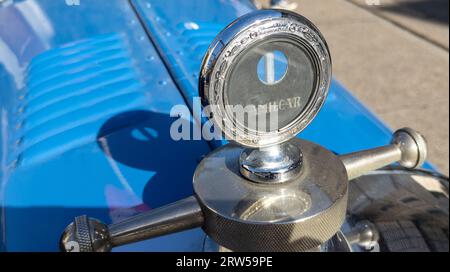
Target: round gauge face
(275,77)
(265,77)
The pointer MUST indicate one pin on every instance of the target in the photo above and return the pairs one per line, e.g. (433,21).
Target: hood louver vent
(71,91)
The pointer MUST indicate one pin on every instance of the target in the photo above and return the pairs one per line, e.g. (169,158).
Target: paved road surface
(394,57)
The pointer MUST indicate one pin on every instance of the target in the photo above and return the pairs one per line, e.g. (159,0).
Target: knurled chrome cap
(297,215)
(413,146)
(85,235)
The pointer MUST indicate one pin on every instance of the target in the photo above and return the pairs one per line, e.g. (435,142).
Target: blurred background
(393,55)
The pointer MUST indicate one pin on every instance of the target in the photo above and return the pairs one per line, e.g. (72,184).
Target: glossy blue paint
(85,99)
(85,123)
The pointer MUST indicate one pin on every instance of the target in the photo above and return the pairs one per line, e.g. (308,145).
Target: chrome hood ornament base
(297,215)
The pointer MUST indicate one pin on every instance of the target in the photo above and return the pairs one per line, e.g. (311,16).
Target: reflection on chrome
(283,205)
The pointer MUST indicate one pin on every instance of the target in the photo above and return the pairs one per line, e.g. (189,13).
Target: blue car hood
(85,98)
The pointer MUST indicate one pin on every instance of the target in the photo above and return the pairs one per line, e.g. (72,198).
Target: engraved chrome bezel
(235,40)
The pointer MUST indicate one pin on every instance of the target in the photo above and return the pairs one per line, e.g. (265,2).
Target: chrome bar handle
(88,234)
(408,148)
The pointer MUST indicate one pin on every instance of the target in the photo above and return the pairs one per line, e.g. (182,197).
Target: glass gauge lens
(265,77)
(272,81)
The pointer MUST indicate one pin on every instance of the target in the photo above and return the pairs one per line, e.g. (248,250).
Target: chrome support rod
(359,163)
(89,234)
(182,215)
(408,148)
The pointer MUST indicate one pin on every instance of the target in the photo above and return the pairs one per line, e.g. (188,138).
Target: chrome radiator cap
(297,215)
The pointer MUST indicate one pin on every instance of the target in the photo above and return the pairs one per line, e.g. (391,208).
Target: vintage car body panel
(89,84)
(85,98)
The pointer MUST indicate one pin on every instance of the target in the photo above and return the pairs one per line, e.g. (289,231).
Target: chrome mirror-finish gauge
(265,77)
